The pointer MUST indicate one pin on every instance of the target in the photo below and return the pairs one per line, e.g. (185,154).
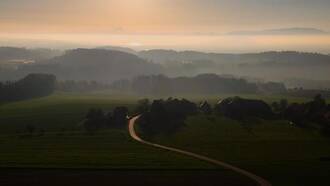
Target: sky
(178,24)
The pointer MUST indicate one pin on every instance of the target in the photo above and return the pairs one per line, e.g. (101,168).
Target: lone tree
(142,106)
(283,105)
(205,108)
(30,129)
(318,104)
(119,116)
(276,107)
(95,119)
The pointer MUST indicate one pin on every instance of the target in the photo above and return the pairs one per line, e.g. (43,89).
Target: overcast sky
(122,17)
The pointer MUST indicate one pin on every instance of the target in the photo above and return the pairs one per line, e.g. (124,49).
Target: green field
(275,150)
(282,153)
(57,111)
(66,110)
(66,145)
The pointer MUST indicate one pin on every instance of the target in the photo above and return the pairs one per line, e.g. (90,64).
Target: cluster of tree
(280,106)
(80,86)
(30,131)
(272,88)
(97,119)
(164,116)
(32,86)
(204,84)
(315,111)
(239,108)
(167,116)
(308,93)
(308,84)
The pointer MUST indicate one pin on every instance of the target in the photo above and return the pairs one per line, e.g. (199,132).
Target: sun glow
(216,43)
(179,24)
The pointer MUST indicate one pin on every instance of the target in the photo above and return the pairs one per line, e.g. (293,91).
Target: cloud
(282,31)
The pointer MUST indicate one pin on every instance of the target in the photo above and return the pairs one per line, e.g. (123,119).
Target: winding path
(259,180)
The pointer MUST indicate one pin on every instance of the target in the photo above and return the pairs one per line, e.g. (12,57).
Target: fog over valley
(109,64)
(165,92)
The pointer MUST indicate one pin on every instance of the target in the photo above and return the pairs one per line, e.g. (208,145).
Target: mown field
(284,154)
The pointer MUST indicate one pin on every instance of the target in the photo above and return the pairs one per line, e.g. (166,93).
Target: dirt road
(259,180)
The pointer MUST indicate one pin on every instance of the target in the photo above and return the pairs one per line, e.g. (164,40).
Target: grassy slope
(57,111)
(282,153)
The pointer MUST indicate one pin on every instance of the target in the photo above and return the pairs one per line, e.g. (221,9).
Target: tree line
(80,86)
(97,119)
(168,116)
(203,84)
(31,86)
(39,85)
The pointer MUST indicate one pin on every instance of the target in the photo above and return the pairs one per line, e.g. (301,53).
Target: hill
(202,84)
(21,54)
(31,86)
(117,48)
(269,66)
(283,57)
(91,64)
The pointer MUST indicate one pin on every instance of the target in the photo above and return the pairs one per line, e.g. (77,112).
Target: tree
(314,111)
(109,120)
(319,102)
(283,105)
(120,116)
(276,106)
(143,106)
(30,129)
(167,116)
(95,119)
(205,108)
(240,108)
(41,132)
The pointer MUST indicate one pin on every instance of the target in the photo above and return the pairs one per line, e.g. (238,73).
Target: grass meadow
(276,150)
(64,144)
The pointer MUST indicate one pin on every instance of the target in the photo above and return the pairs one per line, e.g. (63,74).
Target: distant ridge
(282,31)
(94,64)
(118,48)
(279,57)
